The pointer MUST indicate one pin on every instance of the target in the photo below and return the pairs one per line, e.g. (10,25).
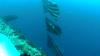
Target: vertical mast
(52,14)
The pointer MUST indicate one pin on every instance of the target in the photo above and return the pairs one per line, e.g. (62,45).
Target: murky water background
(79,21)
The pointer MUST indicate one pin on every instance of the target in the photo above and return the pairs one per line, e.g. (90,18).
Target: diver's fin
(9,18)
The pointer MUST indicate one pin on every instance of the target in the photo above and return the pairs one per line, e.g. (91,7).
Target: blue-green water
(6,47)
(79,21)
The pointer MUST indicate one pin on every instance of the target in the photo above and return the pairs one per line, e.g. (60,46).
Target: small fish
(53,46)
(53,28)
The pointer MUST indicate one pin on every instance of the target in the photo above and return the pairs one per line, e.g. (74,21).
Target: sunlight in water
(6,47)
(3,51)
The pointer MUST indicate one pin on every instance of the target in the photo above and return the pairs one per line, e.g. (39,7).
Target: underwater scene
(49,28)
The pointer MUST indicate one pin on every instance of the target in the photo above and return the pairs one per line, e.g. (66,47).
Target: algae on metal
(51,7)
(21,45)
(53,28)
(53,46)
